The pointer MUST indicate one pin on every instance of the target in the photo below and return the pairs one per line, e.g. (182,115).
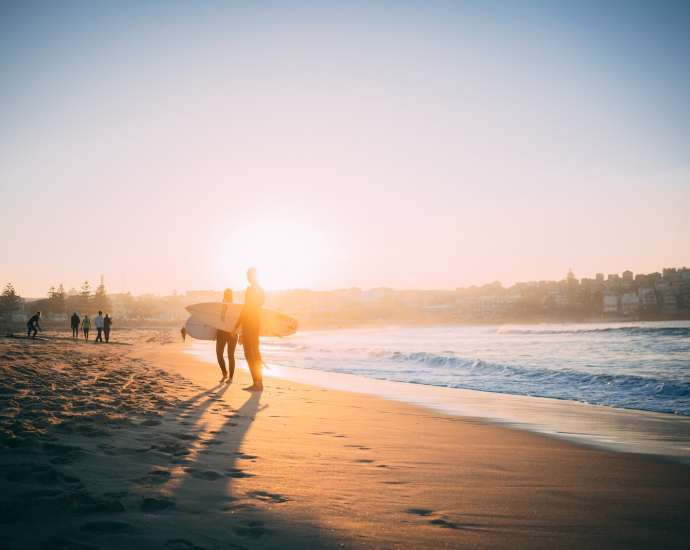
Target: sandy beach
(135,444)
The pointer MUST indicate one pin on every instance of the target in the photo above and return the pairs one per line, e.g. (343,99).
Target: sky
(409,144)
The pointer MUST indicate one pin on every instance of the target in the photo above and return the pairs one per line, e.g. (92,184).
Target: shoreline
(663,435)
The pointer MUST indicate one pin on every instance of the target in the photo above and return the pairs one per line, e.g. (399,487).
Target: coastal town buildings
(664,295)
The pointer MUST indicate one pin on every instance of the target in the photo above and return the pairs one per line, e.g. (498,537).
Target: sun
(287,253)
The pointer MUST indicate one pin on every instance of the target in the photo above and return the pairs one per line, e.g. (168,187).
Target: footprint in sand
(185,437)
(150,504)
(150,423)
(445,524)
(250,529)
(237,473)
(268,497)
(243,456)
(208,475)
(437,522)
(419,511)
(156,477)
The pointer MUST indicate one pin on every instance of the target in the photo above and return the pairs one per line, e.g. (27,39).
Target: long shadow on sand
(124,466)
(210,496)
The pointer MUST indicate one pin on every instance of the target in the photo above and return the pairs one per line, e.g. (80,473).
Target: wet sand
(136,445)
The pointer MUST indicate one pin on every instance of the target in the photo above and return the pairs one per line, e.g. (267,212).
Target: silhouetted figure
(75,325)
(226,339)
(183,332)
(33,325)
(107,322)
(86,326)
(99,327)
(249,320)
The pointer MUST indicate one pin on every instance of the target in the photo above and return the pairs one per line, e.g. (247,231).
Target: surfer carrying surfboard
(226,339)
(249,321)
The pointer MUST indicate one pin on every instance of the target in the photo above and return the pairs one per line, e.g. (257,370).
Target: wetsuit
(75,325)
(222,339)
(107,321)
(249,319)
(32,324)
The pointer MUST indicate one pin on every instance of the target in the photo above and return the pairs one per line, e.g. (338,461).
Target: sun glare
(287,254)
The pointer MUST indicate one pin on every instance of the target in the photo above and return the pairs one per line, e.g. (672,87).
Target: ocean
(643,366)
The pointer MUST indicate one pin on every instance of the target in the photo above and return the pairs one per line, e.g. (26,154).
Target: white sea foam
(643,366)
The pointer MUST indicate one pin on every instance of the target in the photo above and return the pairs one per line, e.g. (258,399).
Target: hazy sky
(423,144)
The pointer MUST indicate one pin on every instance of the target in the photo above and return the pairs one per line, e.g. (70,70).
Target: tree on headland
(85,298)
(57,299)
(47,303)
(101,300)
(10,301)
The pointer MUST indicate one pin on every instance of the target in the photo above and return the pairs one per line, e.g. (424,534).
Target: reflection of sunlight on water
(276,370)
(206,351)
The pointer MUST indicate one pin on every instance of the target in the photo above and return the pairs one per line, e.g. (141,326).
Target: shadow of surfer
(249,320)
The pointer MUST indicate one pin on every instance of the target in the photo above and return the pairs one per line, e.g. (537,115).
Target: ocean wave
(618,390)
(640,366)
(629,330)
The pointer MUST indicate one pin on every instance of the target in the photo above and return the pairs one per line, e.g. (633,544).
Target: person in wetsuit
(226,339)
(107,322)
(75,325)
(250,323)
(33,325)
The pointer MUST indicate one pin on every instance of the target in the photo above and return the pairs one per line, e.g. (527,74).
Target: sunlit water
(642,366)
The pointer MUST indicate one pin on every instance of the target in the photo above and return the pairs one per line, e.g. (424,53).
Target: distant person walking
(86,326)
(249,320)
(183,332)
(99,327)
(107,323)
(228,339)
(75,325)
(33,325)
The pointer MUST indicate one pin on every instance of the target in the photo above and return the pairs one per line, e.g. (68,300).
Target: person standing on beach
(99,327)
(228,339)
(183,332)
(250,322)
(75,325)
(107,321)
(86,326)
(33,325)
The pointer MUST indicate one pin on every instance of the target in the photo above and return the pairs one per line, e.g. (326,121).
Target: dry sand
(135,445)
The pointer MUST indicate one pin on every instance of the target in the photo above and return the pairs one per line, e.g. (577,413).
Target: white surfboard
(199,330)
(224,315)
